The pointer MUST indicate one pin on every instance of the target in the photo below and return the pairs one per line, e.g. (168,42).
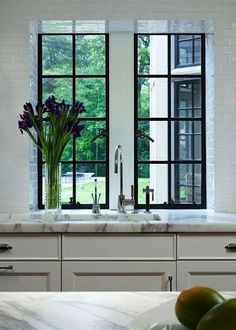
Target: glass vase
(53,188)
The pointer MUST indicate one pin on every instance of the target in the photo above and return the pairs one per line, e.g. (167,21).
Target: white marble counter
(108,222)
(75,311)
(80,310)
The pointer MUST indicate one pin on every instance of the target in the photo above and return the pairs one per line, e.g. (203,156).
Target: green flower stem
(53,186)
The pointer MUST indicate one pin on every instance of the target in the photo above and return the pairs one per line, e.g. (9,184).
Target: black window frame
(170,204)
(72,204)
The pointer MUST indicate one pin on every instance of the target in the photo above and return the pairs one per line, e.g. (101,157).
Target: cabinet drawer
(118,276)
(30,276)
(30,247)
(205,246)
(118,247)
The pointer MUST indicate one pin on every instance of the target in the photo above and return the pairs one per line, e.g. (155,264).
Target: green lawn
(84,190)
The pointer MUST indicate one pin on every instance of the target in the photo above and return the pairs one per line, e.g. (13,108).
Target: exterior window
(75,67)
(188,50)
(170,110)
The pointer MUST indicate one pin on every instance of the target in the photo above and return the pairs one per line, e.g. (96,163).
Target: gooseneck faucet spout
(119,160)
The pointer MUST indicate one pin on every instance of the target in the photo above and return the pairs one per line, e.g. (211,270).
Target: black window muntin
(170,204)
(72,204)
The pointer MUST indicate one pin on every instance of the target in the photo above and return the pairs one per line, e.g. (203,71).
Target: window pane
(85,175)
(158,149)
(87,150)
(185,52)
(187,183)
(186,137)
(152,54)
(66,183)
(61,88)
(90,54)
(197,51)
(91,91)
(156,177)
(186,98)
(152,97)
(57,54)
(68,151)
(184,37)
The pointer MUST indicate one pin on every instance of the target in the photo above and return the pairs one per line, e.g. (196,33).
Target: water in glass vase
(53,188)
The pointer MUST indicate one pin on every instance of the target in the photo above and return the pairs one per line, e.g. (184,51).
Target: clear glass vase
(53,188)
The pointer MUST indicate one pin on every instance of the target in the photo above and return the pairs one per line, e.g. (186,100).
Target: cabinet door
(30,276)
(118,276)
(220,275)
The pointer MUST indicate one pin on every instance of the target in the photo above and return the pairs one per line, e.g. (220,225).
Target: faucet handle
(148,190)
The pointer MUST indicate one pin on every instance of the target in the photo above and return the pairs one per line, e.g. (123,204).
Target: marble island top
(110,222)
(84,310)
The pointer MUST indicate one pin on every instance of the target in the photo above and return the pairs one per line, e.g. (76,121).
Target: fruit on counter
(193,303)
(220,317)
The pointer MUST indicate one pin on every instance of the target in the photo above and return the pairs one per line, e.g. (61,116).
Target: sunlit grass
(84,190)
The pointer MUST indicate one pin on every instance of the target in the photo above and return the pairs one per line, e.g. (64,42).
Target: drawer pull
(7,267)
(170,278)
(231,247)
(5,247)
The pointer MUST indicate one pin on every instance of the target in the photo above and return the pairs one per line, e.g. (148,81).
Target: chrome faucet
(96,198)
(122,201)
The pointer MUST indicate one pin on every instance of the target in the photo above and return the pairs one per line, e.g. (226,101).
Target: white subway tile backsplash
(15,18)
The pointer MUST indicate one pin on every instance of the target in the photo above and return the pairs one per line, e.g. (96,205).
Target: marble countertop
(79,310)
(75,311)
(110,222)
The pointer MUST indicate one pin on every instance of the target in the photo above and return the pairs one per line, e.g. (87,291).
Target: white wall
(15,17)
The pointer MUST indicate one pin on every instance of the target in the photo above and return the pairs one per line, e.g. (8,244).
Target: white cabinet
(118,276)
(220,275)
(119,262)
(30,276)
(204,259)
(30,262)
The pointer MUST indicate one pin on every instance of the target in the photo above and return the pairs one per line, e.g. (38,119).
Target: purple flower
(78,107)
(75,128)
(28,107)
(50,102)
(25,122)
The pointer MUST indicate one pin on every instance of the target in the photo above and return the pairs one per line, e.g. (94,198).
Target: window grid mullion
(169,151)
(74,139)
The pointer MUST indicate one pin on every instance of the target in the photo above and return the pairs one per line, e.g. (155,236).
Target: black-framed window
(187,50)
(74,66)
(169,108)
